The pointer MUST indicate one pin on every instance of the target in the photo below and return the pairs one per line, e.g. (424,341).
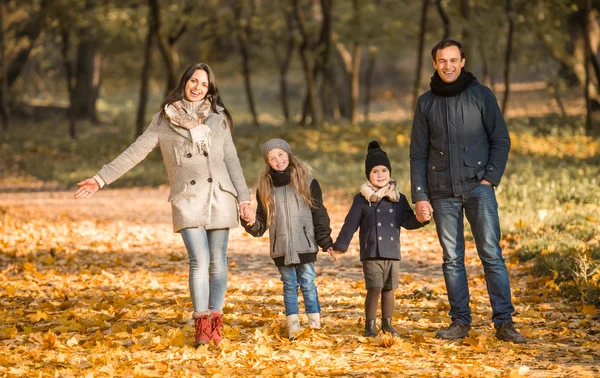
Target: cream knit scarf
(375,194)
(191,116)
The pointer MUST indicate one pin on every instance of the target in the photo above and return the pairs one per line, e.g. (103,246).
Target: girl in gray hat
(290,205)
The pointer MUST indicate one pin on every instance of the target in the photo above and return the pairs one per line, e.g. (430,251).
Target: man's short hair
(447,43)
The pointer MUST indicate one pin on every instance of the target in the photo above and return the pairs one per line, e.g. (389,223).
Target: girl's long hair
(298,180)
(212,94)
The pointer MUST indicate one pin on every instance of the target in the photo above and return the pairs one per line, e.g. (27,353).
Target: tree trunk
(322,63)
(4,112)
(589,127)
(66,42)
(163,46)
(445,19)
(141,114)
(87,80)
(308,73)
(242,37)
(284,65)
(508,54)
(465,12)
(368,84)
(32,31)
(423,28)
(485,73)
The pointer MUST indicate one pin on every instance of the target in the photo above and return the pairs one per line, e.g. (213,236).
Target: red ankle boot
(203,326)
(217,328)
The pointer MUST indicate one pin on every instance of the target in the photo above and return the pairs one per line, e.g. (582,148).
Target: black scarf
(441,88)
(280,178)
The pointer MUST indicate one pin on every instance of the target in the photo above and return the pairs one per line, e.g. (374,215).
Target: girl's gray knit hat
(273,144)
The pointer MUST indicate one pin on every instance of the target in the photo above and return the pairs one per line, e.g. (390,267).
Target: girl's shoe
(293,325)
(203,327)
(217,327)
(314,320)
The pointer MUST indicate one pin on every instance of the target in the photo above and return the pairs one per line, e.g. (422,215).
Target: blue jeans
(207,251)
(302,275)
(481,209)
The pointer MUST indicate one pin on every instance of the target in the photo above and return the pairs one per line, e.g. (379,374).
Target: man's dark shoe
(506,331)
(370,328)
(456,330)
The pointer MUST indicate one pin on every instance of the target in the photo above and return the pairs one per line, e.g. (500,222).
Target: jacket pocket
(177,192)
(307,238)
(228,187)
(475,168)
(437,174)
(183,152)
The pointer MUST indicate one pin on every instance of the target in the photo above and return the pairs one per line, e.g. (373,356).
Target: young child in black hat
(379,210)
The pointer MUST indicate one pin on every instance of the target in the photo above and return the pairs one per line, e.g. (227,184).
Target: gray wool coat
(205,187)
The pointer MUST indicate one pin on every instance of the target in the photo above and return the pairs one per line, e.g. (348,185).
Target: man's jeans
(207,251)
(481,209)
(302,275)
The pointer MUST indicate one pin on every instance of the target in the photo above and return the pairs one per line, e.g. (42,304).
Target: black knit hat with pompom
(376,156)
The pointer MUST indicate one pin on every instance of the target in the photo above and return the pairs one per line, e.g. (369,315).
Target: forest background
(80,80)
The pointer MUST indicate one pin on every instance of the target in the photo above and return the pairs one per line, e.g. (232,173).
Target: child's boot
(386,326)
(314,320)
(370,328)
(293,324)
(203,328)
(217,327)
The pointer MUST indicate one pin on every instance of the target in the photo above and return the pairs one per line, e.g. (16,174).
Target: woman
(193,131)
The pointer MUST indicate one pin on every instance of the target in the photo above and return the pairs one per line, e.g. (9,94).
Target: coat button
(205,153)
(391,210)
(378,210)
(441,153)
(418,188)
(433,168)
(189,155)
(466,149)
(380,238)
(392,238)
(391,224)
(478,163)
(193,182)
(379,224)
(209,179)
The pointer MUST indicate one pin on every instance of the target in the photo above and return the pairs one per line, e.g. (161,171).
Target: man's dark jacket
(456,142)
(379,223)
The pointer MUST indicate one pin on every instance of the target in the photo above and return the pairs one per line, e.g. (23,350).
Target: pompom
(373,144)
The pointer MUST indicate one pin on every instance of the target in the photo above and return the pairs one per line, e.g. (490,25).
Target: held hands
(423,211)
(247,214)
(335,255)
(87,188)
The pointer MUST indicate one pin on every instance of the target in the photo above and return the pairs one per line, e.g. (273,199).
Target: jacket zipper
(288,221)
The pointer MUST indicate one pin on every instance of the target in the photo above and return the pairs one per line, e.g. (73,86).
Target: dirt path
(99,288)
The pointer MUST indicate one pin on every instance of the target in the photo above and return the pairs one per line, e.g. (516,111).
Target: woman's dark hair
(212,94)
(447,43)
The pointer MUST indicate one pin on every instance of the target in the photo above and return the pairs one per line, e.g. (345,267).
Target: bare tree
(145,77)
(308,72)
(4,112)
(445,19)
(283,61)
(422,30)
(510,15)
(242,30)
(589,128)
(163,45)
(69,78)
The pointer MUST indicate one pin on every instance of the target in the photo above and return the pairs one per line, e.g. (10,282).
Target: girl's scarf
(441,88)
(280,178)
(375,194)
(191,116)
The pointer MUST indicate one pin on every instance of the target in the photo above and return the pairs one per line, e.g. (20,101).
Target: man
(458,152)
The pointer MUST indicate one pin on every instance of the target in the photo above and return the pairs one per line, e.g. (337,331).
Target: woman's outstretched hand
(87,188)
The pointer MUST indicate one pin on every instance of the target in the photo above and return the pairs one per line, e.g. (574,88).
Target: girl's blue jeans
(302,275)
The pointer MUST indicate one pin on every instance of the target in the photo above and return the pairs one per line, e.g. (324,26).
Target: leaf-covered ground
(98,288)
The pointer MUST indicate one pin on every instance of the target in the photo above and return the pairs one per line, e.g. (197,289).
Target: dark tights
(372,299)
